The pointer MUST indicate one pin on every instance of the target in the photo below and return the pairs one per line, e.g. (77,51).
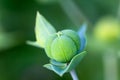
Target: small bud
(62,46)
(107,30)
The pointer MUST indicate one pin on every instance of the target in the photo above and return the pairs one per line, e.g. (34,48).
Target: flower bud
(107,30)
(62,46)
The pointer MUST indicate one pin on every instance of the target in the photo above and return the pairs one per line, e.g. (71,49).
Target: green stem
(73,12)
(118,14)
(74,75)
(110,65)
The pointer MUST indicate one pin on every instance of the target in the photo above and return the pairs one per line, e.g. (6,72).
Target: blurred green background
(19,61)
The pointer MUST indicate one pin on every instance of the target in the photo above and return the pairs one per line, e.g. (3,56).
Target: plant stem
(110,65)
(118,14)
(74,75)
(73,12)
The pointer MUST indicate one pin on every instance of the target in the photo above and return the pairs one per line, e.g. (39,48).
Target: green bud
(107,30)
(62,46)
(73,36)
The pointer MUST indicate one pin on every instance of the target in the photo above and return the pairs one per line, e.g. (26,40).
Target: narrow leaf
(43,29)
(33,43)
(81,33)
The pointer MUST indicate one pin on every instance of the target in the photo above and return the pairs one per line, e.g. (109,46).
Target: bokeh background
(19,61)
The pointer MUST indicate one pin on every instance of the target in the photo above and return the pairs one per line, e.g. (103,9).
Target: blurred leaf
(8,40)
(46,1)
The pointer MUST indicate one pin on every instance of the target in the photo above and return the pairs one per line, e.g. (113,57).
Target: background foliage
(19,61)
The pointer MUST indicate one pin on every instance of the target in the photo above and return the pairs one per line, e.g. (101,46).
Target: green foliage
(17,18)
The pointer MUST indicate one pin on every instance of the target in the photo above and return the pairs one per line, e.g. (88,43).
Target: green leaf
(43,29)
(33,43)
(47,1)
(53,62)
(75,61)
(61,68)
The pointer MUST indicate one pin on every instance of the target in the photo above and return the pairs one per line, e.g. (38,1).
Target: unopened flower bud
(62,46)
